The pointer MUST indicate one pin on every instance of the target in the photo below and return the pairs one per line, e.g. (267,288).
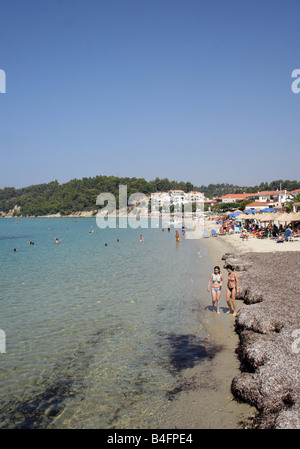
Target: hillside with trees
(81,194)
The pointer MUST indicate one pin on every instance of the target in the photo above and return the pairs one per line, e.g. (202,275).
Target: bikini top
(214,279)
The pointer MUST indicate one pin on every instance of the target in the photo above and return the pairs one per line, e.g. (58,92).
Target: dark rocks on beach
(269,329)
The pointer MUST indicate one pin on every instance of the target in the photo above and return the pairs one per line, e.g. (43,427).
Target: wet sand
(210,403)
(215,403)
(268,327)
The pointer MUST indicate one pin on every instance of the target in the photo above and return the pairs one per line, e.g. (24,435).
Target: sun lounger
(287,234)
(214,233)
(206,234)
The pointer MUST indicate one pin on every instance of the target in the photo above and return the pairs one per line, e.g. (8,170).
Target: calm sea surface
(96,336)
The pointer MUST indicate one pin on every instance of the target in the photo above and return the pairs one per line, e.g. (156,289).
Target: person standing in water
(215,283)
(232,289)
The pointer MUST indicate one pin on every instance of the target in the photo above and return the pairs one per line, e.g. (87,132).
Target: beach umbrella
(268,209)
(293,216)
(265,217)
(285,217)
(251,211)
(268,217)
(234,214)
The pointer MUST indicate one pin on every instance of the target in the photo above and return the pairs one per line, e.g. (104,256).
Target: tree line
(81,194)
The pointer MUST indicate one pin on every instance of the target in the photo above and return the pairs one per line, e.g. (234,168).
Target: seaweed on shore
(268,326)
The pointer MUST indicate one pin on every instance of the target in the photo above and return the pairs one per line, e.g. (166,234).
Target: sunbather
(280,239)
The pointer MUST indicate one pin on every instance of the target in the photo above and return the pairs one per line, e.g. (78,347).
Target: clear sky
(191,90)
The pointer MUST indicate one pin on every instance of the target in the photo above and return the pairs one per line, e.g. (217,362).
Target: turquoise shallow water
(96,336)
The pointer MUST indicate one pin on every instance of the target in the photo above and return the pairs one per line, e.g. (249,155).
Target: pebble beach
(267,326)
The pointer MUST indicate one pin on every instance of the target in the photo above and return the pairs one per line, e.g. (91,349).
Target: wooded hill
(81,194)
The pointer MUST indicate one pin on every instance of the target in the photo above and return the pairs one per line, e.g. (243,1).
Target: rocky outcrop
(268,326)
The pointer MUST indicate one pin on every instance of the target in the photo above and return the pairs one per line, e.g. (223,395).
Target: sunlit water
(96,336)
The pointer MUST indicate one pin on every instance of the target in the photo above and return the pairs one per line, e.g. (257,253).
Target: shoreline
(255,377)
(210,404)
(266,326)
(221,328)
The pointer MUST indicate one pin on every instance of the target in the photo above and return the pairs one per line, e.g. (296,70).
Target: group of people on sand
(215,283)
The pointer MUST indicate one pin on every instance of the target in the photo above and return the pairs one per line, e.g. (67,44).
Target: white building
(194,197)
(177,196)
(158,199)
(276,197)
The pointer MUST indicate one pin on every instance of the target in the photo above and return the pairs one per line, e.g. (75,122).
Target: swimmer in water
(141,239)
(215,281)
(58,240)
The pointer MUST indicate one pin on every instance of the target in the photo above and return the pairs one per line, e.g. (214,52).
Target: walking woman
(232,289)
(216,281)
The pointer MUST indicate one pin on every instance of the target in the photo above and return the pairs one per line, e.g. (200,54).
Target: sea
(97,329)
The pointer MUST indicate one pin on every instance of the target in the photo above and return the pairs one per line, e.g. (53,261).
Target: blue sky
(190,90)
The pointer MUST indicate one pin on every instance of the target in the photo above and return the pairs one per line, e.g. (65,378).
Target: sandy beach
(213,406)
(235,243)
(267,373)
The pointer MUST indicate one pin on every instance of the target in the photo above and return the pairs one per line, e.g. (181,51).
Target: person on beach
(280,239)
(232,289)
(215,283)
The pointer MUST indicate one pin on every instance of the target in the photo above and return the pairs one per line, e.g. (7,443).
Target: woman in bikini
(215,281)
(232,289)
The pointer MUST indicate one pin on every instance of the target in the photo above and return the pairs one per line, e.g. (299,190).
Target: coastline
(211,405)
(259,360)
(266,326)
(229,413)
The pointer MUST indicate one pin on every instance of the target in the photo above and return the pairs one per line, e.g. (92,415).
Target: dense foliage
(81,195)
(77,195)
